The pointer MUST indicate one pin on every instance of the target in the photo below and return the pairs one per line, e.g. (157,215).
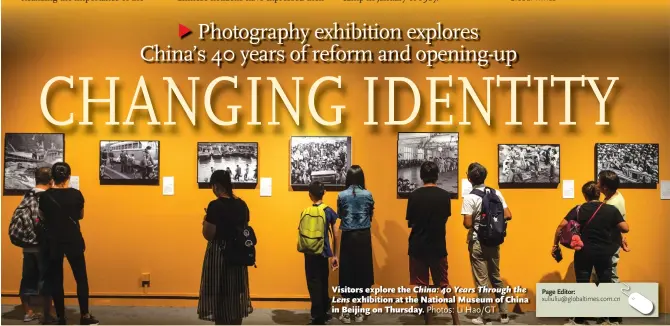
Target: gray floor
(13,315)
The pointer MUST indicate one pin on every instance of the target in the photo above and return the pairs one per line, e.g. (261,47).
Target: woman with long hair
(224,286)
(61,210)
(355,207)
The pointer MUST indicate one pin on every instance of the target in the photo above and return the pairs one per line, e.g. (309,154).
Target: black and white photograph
(131,162)
(529,165)
(25,153)
(239,159)
(635,164)
(416,148)
(324,159)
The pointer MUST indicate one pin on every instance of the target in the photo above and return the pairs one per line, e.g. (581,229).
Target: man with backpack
(485,215)
(24,232)
(317,222)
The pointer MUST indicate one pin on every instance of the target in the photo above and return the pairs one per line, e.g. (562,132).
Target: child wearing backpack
(315,231)
(485,215)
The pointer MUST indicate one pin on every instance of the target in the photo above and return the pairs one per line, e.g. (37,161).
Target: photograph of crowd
(129,162)
(239,159)
(324,159)
(635,164)
(25,153)
(416,148)
(532,165)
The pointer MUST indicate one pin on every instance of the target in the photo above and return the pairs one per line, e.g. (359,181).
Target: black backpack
(492,225)
(241,245)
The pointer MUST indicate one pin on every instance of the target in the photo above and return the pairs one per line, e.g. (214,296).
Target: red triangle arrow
(184,31)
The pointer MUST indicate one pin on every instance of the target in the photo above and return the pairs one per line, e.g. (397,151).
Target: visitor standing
(484,255)
(355,207)
(315,232)
(601,226)
(62,209)
(224,285)
(428,209)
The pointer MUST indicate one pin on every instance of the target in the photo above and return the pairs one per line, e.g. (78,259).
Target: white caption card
(466,187)
(266,187)
(168,186)
(568,189)
(74,182)
(665,189)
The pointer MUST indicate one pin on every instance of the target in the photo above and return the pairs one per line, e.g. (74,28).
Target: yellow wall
(134,230)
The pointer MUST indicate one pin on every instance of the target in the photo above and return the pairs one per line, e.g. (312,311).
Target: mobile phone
(557,254)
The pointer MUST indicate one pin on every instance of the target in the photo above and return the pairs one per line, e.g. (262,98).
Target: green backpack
(312,230)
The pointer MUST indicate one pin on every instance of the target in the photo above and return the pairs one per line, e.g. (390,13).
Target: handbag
(571,233)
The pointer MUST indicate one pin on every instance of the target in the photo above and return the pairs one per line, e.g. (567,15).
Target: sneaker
(316,322)
(90,320)
(29,317)
(571,321)
(480,321)
(505,319)
(359,318)
(345,318)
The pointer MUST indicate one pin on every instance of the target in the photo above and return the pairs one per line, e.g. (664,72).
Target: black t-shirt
(228,214)
(428,209)
(601,236)
(62,209)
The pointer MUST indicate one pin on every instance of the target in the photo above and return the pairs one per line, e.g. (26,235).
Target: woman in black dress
(224,287)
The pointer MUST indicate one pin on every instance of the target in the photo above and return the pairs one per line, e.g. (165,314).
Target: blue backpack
(492,225)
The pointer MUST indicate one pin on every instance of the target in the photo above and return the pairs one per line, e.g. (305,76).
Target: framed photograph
(635,164)
(27,152)
(418,147)
(240,159)
(130,162)
(529,165)
(324,159)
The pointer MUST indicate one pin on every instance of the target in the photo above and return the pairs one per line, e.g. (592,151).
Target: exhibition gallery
(136,230)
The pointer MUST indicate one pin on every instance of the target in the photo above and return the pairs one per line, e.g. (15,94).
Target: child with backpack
(485,215)
(315,231)
(25,232)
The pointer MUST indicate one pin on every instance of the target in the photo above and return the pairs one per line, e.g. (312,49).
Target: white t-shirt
(619,202)
(472,205)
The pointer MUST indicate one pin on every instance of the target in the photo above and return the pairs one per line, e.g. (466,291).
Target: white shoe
(504,320)
(29,317)
(480,321)
(571,321)
(359,318)
(345,318)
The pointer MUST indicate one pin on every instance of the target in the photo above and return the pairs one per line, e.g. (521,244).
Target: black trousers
(316,271)
(55,255)
(585,263)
